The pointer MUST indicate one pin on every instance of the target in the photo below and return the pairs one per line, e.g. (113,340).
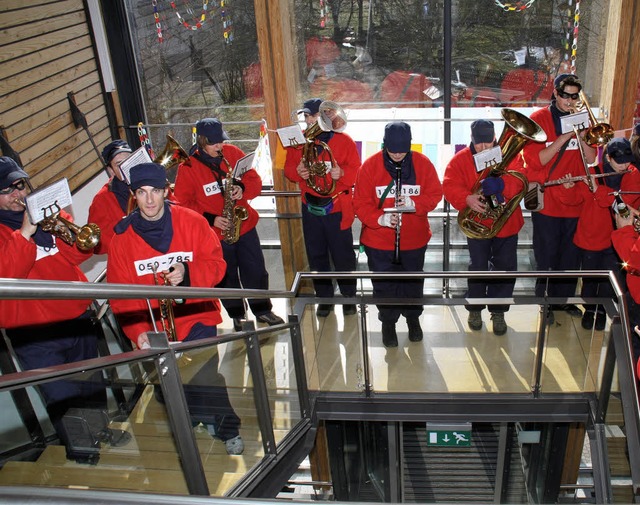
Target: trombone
(596,135)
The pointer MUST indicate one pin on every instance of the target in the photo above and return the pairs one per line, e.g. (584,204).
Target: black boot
(389,336)
(415,331)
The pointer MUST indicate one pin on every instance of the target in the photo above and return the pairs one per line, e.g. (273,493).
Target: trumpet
(167,317)
(84,237)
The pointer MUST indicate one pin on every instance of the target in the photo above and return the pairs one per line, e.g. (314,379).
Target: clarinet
(396,251)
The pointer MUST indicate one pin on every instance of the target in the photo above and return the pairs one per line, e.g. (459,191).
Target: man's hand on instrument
(143,341)
(27,229)
(221,222)
(476,203)
(336,172)
(389,220)
(175,275)
(302,170)
(236,192)
(569,184)
(406,201)
(621,222)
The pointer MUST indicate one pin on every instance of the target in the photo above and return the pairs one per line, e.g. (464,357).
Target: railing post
(178,412)
(260,393)
(300,370)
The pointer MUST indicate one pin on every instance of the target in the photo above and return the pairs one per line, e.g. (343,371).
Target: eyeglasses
(562,94)
(18,186)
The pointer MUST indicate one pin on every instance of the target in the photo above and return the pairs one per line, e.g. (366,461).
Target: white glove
(385,220)
(408,202)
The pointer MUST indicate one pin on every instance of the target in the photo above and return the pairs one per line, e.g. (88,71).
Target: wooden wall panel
(47,52)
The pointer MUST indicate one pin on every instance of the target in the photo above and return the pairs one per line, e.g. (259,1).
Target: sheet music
(291,136)
(47,201)
(140,155)
(580,119)
(487,158)
(243,164)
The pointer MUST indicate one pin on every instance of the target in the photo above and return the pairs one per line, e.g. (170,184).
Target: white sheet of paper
(291,135)
(140,155)
(580,119)
(243,164)
(47,201)
(487,158)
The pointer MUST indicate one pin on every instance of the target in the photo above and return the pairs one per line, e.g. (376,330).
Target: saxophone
(234,213)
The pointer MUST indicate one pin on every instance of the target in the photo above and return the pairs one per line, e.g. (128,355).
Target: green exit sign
(449,435)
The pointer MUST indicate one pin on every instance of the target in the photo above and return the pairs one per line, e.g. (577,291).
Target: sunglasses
(562,94)
(18,186)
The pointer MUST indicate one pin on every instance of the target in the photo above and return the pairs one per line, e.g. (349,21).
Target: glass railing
(269,373)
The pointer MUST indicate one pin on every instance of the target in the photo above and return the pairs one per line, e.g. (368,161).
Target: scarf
(556,114)
(407,173)
(323,137)
(121,191)
(13,219)
(158,234)
(612,181)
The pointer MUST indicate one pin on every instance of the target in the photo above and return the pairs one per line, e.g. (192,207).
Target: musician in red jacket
(555,225)
(595,224)
(500,252)
(201,185)
(111,203)
(327,218)
(397,241)
(159,241)
(47,333)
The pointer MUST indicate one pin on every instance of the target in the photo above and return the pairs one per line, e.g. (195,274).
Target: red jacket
(460,177)
(105,211)
(346,156)
(193,242)
(22,259)
(197,188)
(626,243)
(571,162)
(372,181)
(595,224)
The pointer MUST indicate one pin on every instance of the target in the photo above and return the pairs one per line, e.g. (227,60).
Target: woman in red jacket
(499,252)
(200,186)
(395,243)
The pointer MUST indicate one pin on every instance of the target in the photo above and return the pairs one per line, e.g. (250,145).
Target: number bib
(161,263)
(211,189)
(407,190)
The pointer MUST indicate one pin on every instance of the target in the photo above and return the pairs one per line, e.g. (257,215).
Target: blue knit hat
(397,137)
(148,174)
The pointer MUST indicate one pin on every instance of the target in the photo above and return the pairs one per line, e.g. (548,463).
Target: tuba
(234,213)
(518,130)
(173,154)
(332,118)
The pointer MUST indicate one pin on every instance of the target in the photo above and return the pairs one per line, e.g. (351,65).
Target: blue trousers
(207,394)
(554,249)
(488,255)
(57,344)
(245,269)
(410,261)
(606,259)
(327,244)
